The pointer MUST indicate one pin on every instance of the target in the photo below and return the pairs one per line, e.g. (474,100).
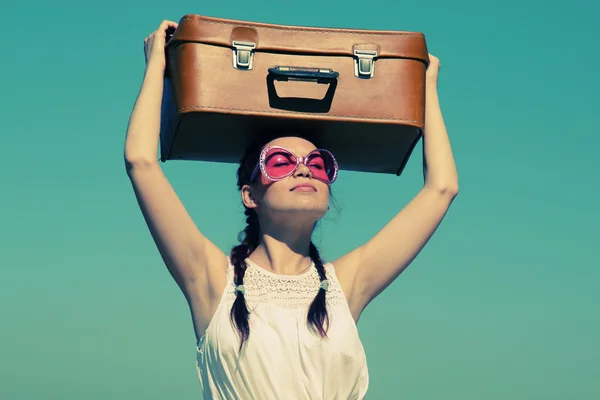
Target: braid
(317,313)
(239,311)
(239,315)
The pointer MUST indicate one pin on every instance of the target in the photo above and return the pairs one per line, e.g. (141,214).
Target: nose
(303,171)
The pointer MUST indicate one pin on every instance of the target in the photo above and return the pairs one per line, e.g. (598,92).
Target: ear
(248,197)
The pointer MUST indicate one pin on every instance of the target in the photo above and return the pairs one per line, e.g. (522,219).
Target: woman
(272,319)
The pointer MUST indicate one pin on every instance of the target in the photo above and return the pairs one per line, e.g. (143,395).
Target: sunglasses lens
(322,165)
(279,163)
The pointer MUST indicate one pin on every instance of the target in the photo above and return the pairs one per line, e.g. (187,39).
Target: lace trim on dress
(285,291)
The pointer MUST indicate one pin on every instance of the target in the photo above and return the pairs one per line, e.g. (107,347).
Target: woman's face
(299,194)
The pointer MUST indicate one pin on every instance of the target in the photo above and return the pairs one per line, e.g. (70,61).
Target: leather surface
(300,39)
(214,110)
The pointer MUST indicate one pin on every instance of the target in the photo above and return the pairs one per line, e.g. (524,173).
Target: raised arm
(195,263)
(369,269)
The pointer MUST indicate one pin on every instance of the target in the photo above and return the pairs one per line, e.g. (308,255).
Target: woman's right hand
(154,44)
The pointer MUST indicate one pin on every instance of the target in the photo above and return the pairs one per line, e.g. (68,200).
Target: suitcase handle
(319,75)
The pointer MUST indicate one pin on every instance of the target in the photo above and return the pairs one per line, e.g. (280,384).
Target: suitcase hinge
(364,64)
(243,53)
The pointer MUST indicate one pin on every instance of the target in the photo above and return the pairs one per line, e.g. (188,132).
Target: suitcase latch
(243,54)
(364,64)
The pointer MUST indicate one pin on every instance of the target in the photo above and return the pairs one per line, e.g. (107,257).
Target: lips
(304,186)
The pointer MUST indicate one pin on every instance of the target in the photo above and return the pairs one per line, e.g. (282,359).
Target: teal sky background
(501,304)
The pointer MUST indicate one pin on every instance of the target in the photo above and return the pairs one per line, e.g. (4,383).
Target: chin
(316,210)
(315,202)
(313,211)
(309,209)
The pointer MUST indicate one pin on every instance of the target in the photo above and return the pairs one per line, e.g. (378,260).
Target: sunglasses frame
(299,160)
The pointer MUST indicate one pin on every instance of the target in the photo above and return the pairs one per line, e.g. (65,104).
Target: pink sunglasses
(277,163)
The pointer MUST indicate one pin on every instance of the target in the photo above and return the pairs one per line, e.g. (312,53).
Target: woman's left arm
(369,269)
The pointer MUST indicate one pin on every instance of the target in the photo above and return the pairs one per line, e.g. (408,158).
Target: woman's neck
(284,254)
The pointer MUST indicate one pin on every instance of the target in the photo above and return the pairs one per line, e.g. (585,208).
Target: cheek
(273,192)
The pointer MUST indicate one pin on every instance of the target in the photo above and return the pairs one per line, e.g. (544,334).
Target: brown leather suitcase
(358,93)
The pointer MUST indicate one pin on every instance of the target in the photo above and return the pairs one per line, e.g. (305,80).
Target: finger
(167,24)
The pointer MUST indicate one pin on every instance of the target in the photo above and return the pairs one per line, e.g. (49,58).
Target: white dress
(282,358)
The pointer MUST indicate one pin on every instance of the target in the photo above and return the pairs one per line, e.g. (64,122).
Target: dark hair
(249,239)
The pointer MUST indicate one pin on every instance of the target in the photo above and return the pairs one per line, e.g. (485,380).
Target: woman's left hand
(433,69)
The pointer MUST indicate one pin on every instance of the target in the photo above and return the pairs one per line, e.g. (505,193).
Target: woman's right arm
(196,264)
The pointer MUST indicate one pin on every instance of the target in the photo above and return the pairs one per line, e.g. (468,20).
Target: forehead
(296,145)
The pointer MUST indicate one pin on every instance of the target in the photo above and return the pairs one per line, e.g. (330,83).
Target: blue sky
(501,304)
